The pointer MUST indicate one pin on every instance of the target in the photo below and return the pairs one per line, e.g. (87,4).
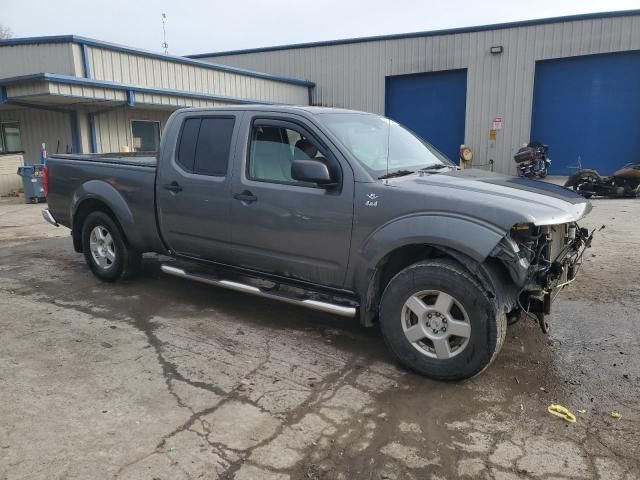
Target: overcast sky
(197,26)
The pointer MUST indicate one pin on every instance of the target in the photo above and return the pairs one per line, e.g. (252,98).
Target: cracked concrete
(159,378)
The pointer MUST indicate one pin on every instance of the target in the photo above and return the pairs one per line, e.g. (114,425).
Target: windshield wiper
(436,167)
(397,173)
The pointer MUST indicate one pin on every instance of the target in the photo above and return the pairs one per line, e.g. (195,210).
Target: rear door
(282,226)
(194,185)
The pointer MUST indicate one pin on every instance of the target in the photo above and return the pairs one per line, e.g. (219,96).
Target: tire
(105,249)
(471,313)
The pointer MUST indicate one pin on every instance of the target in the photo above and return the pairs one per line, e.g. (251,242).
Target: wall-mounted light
(497,50)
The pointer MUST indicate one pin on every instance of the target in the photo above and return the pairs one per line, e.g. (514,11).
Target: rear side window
(205,144)
(214,142)
(187,147)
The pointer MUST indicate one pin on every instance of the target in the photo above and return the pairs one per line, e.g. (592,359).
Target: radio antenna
(165,45)
(389,128)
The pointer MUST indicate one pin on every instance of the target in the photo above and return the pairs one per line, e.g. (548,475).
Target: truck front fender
(469,236)
(103,192)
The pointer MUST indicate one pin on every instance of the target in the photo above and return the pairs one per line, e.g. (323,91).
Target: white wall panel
(36,58)
(129,68)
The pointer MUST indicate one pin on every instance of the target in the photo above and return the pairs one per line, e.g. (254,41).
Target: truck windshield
(372,138)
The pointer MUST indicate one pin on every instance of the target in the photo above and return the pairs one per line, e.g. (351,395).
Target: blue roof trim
(431,33)
(69,80)
(145,53)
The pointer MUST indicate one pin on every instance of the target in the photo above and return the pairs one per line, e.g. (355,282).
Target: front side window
(146,135)
(10,137)
(205,144)
(273,150)
(381,144)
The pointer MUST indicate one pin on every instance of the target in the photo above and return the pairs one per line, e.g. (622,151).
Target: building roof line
(70,80)
(429,33)
(90,42)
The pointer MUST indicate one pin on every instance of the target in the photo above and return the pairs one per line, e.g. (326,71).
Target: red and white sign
(497,123)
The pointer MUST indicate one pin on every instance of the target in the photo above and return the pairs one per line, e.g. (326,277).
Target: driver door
(286,227)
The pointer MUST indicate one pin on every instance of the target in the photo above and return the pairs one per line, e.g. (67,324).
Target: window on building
(146,135)
(205,144)
(10,137)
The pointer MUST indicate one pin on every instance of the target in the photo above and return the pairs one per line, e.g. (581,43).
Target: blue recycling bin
(32,183)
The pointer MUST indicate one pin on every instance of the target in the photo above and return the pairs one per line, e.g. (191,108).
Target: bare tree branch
(5,32)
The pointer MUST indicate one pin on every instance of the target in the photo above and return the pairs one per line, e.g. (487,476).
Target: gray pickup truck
(335,210)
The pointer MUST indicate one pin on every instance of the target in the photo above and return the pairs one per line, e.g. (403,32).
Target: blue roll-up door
(432,104)
(588,107)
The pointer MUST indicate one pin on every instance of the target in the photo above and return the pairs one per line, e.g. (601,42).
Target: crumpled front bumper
(566,266)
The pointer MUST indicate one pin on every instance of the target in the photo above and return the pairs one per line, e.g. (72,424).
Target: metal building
(82,95)
(570,82)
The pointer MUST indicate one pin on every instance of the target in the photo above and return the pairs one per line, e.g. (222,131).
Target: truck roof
(275,108)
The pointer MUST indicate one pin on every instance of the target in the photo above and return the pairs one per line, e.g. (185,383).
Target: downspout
(75,136)
(86,71)
(310,89)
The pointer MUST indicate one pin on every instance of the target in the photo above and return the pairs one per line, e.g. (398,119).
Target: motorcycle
(624,182)
(533,160)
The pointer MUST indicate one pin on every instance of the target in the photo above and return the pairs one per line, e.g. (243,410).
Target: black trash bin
(32,183)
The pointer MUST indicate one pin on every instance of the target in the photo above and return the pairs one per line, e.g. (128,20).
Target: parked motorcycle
(623,183)
(533,160)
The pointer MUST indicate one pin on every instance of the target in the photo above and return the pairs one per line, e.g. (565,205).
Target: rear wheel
(105,249)
(439,322)
(584,182)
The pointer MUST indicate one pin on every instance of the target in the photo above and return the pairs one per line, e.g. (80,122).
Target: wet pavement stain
(207,383)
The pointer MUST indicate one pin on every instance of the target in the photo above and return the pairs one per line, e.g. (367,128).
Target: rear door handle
(245,196)
(173,187)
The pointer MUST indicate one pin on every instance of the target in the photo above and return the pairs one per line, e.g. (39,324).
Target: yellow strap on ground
(562,412)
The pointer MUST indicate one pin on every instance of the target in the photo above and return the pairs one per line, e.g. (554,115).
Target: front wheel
(439,322)
(105,249)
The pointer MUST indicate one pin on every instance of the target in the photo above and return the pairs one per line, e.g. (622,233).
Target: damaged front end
(541,260)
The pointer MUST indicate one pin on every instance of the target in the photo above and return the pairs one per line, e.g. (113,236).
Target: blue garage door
(588,107)
(433,105)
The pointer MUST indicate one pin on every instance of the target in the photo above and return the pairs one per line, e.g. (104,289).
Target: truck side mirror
(311,171)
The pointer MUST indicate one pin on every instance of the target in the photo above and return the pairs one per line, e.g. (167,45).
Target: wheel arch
(94,196)
(403,243)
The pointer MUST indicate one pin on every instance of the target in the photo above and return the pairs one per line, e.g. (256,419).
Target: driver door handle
(245,196)
(173,187)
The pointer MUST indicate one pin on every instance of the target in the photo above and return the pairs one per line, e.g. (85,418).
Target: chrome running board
(341,310)
(46,214)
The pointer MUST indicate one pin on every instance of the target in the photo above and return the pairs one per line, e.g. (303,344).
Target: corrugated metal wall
(353,75)
(154,72)
(35,58)
(10,181)
(38,126)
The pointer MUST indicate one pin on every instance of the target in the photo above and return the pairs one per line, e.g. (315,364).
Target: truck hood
(501,199)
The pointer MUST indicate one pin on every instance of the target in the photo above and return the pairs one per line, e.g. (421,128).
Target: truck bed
(124,181)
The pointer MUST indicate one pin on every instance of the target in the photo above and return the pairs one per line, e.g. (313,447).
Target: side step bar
(46,214)
(343,311)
